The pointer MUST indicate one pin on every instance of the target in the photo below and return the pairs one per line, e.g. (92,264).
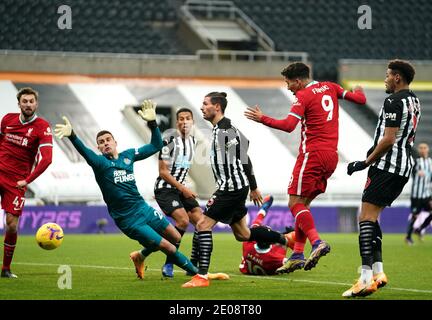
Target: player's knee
(183,222)
(242,236)
(167,247)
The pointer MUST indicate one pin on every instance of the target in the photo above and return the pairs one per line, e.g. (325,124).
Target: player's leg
(195,215)
(259,234)
(10,239)
(12,201)
(267,203)
(427,206)
(169,200)
(415,210)
(181,223)
(205,238)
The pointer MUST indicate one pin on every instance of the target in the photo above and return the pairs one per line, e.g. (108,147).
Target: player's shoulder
(10,117)
(41,122)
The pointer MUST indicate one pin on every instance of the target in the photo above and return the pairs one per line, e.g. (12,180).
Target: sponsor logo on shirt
(122,176)
(390,116)
(48,132)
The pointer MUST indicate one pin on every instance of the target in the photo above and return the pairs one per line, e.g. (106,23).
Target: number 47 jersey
(317,107)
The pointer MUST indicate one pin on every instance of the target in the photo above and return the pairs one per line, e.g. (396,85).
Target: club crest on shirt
(29,131)
(175,203)
(127,161)
(165,150)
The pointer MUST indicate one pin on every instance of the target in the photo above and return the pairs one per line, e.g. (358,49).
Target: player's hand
(356,166)
(253,113)
(148,110)
(21,184)
(357,88)
(187,193)
(256,197)
(63,130)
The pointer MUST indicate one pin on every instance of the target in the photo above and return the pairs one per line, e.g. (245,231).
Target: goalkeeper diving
(115,176)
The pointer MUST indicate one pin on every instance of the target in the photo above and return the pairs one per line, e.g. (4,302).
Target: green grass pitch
(101,269)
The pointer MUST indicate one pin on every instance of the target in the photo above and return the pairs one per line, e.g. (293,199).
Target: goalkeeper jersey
(116,178)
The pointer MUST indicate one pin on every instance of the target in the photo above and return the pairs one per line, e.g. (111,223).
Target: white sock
(377,267)
(366,274)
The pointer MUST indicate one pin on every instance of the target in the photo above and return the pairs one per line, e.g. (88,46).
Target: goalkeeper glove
(356,166)
(63,130)
(148,110)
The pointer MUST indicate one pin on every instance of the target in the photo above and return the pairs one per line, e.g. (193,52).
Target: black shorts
(420,204)
(227,206)
(170,199)
(382,187)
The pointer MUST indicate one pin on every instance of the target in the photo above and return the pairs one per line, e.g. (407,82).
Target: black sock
(195,249)
(205,249)
(411,226)
(168,257)
(265,234)
(365,242)
(377,243)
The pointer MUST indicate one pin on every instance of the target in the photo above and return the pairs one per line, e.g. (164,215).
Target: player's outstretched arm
(148,113)
(356,95)
(66,130)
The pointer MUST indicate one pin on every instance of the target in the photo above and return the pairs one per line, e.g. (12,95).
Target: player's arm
(242,149)
(45,159)
(288,124)
(165,174)
(393,116)
(66,130)
(356,95)
(148,113)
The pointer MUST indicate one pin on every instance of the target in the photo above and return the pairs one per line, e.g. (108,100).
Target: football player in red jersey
(260,258)
(316,106)
(25,144)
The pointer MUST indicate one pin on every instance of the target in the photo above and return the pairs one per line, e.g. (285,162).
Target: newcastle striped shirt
(402,110)
(422,178)
(178,153)
(232,168)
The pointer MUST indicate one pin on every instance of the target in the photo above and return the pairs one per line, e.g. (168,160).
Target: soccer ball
(49,236)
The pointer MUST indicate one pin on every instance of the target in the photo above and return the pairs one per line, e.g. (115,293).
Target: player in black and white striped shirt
(234,177)
(421,190)
(171,194)
(390,164)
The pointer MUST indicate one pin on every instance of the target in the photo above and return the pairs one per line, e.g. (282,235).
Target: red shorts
(12,198)
(310,173)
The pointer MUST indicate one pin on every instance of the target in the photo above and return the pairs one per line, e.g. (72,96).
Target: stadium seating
(327,31)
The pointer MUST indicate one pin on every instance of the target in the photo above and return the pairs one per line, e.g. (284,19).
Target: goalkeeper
(115,177)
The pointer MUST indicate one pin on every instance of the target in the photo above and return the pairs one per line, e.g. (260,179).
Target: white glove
(148,110)
(63,130)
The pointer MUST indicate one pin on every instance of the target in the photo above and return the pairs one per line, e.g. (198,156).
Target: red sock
(304,220)
(300,240)
(258,220)
(9,248)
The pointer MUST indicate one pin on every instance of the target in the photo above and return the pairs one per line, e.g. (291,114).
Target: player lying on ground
(263,258)
(115,177)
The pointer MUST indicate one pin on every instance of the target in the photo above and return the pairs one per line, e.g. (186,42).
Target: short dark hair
(101,133)
(296,70)
(27,90)
(402,68)
(218,97)
(183,109)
